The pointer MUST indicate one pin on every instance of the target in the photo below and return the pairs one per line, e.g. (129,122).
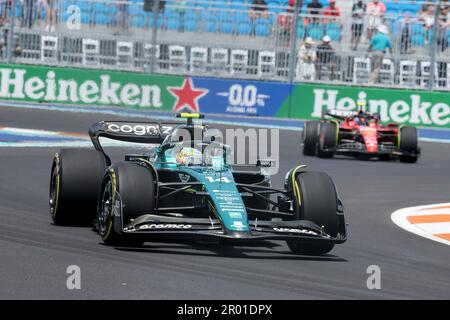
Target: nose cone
(372,148)
(370,138)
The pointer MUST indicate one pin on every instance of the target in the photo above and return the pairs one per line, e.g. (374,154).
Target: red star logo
(187,96)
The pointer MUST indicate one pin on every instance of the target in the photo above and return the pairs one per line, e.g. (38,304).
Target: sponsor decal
(75,86)
(164,226)
(293,230)
(187,96)
(413,108)
(220,96)
(235,214)
(409,107)
(184,177)
(238,225)
(136,129)
(244,98)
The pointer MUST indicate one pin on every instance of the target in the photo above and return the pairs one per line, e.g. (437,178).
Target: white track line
(404,218)
(60,139)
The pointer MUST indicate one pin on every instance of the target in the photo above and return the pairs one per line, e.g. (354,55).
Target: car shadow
(362,158)
(262,252)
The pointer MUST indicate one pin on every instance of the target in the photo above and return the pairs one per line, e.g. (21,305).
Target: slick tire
(327,140)
(409,143)
(134,186)
(310,138)
(75,183)
(318,203)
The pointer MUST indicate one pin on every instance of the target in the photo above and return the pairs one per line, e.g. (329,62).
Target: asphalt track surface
(35,253)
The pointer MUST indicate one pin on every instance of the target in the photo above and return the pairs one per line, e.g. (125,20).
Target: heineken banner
(86,87)
(219,96)
(414,107)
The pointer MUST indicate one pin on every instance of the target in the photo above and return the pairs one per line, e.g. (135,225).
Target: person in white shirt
(427,18)
(307,56)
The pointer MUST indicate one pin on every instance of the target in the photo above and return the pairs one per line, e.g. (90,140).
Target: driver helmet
(362,120)
(189,156)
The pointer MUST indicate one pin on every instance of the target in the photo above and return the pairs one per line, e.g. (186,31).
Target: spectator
(149,4)
(406,33)
(332,10)
(332,16)
(181,9)
(423,10)
(306,68)
(326,61)
(358,13)
(3,37)
(444,26)
(377,47)
(375,14)
(40,5)
(258,9)
(122,15)
(27,13)
(314,9)
(284,25)
(427,18)
(6,6)
(50,15)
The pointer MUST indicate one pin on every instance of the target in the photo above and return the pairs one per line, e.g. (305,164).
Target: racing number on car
(222,179)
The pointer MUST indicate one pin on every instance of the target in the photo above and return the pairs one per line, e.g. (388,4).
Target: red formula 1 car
(359,134)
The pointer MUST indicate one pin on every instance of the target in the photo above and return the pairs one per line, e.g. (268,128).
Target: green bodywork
(223,196)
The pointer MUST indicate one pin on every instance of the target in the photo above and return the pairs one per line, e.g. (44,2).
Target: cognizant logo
(139,130)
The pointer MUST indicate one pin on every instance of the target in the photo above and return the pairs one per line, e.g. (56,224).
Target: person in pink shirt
(375,12)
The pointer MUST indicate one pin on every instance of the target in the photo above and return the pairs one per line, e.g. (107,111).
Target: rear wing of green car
(127,131)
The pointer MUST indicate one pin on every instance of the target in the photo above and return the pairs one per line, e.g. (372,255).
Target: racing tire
(75,182)
(318,203)
(327,140)
(310,138)
(134,184)
(409,143)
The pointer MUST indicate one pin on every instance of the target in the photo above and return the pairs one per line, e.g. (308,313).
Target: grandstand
(227,39)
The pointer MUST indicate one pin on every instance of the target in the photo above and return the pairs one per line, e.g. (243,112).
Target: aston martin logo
(184,177)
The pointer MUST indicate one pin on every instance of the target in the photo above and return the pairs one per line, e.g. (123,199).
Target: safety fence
(233,39)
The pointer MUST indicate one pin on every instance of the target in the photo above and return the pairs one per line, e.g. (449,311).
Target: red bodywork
(373,133)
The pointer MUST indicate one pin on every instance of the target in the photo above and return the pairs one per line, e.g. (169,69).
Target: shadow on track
(228,251)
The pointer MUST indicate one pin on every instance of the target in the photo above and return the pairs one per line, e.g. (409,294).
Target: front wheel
(318,203)
(328,136)
(75,182)
(129,188)
(310,137)
(408,142)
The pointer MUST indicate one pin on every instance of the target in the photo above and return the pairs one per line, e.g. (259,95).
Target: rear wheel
(310,138)
(134,186)
(75,184)
(409,144)
(327,140)
(318,203)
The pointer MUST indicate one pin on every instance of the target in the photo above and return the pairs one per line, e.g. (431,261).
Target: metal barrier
(229,39)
